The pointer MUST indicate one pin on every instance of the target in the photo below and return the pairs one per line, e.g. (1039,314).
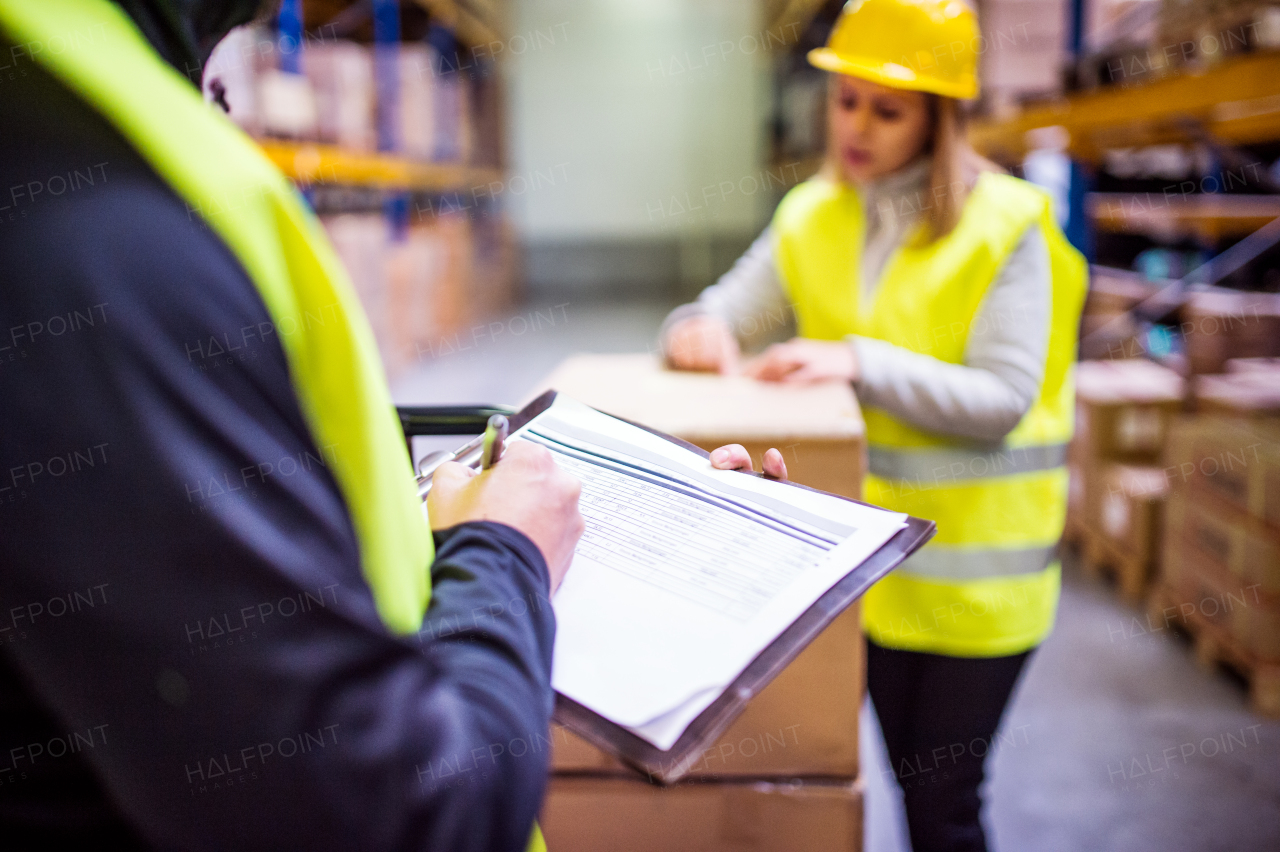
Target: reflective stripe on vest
(987,584)
(937,466)
(939,562)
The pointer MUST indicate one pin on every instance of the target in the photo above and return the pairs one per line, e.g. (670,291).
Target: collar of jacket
(185,32)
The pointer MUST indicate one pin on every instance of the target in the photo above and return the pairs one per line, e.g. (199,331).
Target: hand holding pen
(491,445)
(528,491)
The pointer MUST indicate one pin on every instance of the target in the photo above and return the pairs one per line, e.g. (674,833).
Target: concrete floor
(1114,740)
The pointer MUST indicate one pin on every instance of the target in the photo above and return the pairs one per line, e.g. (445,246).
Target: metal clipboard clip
(459,420)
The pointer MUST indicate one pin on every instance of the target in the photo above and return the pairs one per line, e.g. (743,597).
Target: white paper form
(684,573)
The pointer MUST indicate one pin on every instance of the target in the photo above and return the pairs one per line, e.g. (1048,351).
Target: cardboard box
(818,428)
(1254,365)
(1227,543)
(1123,409)
(361,241)
(803,724)
(416,264)
(450,304)
(614,814)
(1116,290)
(1236,460)
(1107,329)
(1108,335)
(287,105)
(1251,392)
(413,286)
(1022,52)
(1126,508)
(1232,604)
(341,75)
(493,286)
(415,117)
(1221,324)
(1267,504)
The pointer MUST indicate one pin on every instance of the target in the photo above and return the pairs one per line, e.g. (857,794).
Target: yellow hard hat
(922,45)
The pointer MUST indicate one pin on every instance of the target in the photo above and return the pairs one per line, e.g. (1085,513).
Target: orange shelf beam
(310,163)
(1237,100)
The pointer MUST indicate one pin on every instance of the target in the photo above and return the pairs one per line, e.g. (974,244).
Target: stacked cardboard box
(415,116)
(1250,388)
(1218,325)
(1022,51)
(776,736)
(335,98)
(1207,31)
(413,284)
(1107,329)
(420,282)
(621,814)
(785,773)
(1221,567)
(1123,413)
(494,268)
(361,240)
(341,75)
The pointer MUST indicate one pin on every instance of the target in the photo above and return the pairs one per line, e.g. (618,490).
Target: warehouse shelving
(476,22)
(307,162)
(411,197)
(1208,217)
(1236,101)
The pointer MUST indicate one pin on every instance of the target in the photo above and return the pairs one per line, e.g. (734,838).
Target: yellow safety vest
(94,49)
(987,584)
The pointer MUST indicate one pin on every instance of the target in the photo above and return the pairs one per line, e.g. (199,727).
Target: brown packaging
(817,427)
(1123,409)
(1227,542)
(1235,605)
(1222,324)
(1236,460)
(597,814)
(804,723)
(1126,507)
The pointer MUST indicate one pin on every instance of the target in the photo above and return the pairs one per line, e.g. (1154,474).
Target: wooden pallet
(1215,646)
(1101,558)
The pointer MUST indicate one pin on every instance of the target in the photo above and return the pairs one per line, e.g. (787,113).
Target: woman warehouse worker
(944,290)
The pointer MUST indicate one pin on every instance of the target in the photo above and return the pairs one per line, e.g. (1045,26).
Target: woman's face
(876,130)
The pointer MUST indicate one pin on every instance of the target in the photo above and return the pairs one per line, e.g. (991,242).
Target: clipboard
(669,766)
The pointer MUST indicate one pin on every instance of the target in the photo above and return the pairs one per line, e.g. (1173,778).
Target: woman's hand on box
(703,344)
(802,361)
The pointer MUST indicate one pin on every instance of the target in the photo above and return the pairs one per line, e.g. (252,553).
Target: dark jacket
(194,664)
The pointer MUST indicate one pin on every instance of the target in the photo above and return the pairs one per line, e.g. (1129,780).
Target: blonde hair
(953,173)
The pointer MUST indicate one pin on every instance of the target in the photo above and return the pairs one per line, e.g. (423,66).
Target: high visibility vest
(94,49)
(987,584)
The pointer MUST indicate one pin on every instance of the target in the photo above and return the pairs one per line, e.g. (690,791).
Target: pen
(495,441)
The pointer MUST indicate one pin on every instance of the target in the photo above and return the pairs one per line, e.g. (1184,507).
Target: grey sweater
(984,397)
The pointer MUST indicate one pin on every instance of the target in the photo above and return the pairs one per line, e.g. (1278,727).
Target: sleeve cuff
(498,536)
(871,365)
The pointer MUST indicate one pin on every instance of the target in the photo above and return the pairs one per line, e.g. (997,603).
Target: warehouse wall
(640,131)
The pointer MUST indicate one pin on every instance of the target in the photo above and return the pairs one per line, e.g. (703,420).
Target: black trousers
(938,715)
